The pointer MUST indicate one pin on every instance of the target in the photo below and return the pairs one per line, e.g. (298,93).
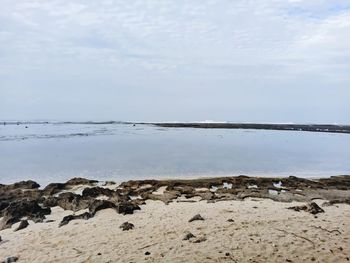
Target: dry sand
(262,231)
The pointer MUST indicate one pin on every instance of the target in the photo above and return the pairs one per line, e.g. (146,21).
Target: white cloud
(275,41)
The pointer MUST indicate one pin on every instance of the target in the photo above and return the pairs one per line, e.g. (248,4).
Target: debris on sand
(312,208)
(188,236)
(196,217)
(127,226)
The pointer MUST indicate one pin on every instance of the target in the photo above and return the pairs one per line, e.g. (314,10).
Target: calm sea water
(57,152)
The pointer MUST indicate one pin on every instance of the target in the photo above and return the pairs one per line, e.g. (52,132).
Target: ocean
(56,152)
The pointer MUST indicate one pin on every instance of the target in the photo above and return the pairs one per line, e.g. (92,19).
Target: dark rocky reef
(25,201)
(260,126)
(284,189)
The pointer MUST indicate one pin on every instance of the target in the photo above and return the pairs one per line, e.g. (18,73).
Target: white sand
(159,229)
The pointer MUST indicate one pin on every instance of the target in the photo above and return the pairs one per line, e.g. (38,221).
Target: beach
(232,224)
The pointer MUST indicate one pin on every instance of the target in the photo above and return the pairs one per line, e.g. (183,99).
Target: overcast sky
(223,60)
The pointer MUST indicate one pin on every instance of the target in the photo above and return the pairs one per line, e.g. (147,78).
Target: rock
(196,217)
(69,218)
(0,239)
(230,220)
(17,210)
(97,191)
(227,254)
(126,226)
(199,240)
(127,208)
(80,181)
(23,224)
(55,188)
(74,202)
(10,260)
(188,236)
(21,185)
(312,208)
(98,205)
(147,253)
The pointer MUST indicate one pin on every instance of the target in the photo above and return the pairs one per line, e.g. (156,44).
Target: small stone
(22,225)
(126,226)
(227,254)
(11,259)
(313,259)
(200,240)
(230,220)
(147,253)
(99,254)
(188,236)
(196,217)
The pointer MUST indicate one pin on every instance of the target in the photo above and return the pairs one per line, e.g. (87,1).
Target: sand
(260,230)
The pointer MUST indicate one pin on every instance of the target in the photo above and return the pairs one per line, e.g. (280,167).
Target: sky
(183,60)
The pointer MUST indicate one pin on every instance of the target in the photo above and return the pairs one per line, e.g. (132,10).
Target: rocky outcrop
(25,199)
(17,210)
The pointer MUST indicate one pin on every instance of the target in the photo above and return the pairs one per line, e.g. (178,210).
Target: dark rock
(3,205)
(312,208)
(80,181)
(74,202)
(227,254)
(97,191)
(50,201)
(188,236)
(11,259)
(67,219)
(20,185)
(53,188)
(230,220)
(147,253)
(126,226)
(99,254)
(98,205)
(199,240)
(196,217)
(23,224)
(17,210)
(127,208)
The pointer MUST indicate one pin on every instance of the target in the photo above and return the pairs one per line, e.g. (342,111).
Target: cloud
(275,42)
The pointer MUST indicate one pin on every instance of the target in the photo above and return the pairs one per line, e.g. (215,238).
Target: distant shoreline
(329,128)
(259,126)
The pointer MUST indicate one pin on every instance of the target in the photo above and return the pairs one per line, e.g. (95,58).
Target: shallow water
(57,152)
